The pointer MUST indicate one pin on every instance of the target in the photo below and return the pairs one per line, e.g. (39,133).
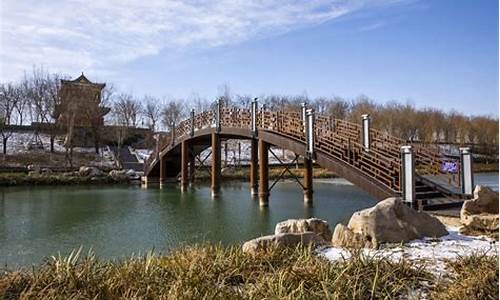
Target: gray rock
(390,221)
(481,212)
(263,243)
(46,171)
(34,168)
(118,175)
(85,171)
(318,226)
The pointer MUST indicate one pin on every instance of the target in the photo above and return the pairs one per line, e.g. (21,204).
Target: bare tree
(152,111)
(224,92)
(44,97)
(9,97)
(128,108)
(173,113)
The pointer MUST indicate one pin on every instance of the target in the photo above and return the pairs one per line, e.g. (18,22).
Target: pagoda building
(80,103)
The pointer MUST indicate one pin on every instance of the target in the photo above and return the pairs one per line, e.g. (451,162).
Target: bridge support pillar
(308,180)
(216,165)
(163,170)
(254,164)
(263,173)
(184,166)
(192,165)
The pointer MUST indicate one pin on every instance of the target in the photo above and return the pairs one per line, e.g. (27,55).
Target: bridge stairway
(433,199)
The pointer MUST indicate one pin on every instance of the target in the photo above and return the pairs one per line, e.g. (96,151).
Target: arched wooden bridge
(380,164)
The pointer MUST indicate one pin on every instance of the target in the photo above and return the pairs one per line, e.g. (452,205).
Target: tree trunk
(5,145)
(52,144)
(96,145)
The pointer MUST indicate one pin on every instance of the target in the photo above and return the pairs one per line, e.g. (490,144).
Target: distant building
(80,101)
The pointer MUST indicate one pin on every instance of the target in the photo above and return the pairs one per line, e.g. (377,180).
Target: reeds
(215,272)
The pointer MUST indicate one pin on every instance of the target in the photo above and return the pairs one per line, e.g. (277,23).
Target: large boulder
(263,243)
(481,212)
(390,221)
(89,171)
(345,237)
(318,226)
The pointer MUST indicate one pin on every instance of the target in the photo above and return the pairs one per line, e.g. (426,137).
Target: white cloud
(74,35)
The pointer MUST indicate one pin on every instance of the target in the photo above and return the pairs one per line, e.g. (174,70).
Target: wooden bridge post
(254,163)
(192,165)
(308,180)
(216,164)
(264,173)
(163,170)
(466,174)
(408,175)
(192,123)
(308,159)
(184,166)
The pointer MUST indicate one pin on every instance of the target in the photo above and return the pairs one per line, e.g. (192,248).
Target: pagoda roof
(83,80)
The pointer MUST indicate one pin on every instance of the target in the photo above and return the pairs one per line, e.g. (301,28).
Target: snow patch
(432,252)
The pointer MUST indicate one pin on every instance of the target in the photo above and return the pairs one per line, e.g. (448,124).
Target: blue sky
(441,53)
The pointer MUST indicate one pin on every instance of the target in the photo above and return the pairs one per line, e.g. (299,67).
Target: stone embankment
(84,175)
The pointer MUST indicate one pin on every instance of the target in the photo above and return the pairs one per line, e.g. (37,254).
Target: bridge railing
(428,161)
(339,138)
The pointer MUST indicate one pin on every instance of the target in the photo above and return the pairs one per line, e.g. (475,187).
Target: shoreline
(11,179)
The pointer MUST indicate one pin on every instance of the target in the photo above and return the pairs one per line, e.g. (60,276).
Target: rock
(47,171)
(132,174)
(345,237)
(89,171)
(390,221)
(118,175)
(485,200)
(484,222)
(481,212)
(34,168)
(282,240)
(318,226)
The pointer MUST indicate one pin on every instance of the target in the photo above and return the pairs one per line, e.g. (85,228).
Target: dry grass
(215,272)
(473,277)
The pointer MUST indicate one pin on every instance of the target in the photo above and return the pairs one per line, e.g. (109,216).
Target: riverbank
(216,272)
(23,179)
(72,178)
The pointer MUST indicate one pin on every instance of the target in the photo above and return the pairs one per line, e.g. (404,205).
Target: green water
(118,221)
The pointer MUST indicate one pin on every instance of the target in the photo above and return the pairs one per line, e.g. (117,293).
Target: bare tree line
(34,98)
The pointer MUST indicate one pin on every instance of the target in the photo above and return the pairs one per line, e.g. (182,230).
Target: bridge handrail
(338,138)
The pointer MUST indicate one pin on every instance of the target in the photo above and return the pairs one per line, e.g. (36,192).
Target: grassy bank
(213,271)
(20,179)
